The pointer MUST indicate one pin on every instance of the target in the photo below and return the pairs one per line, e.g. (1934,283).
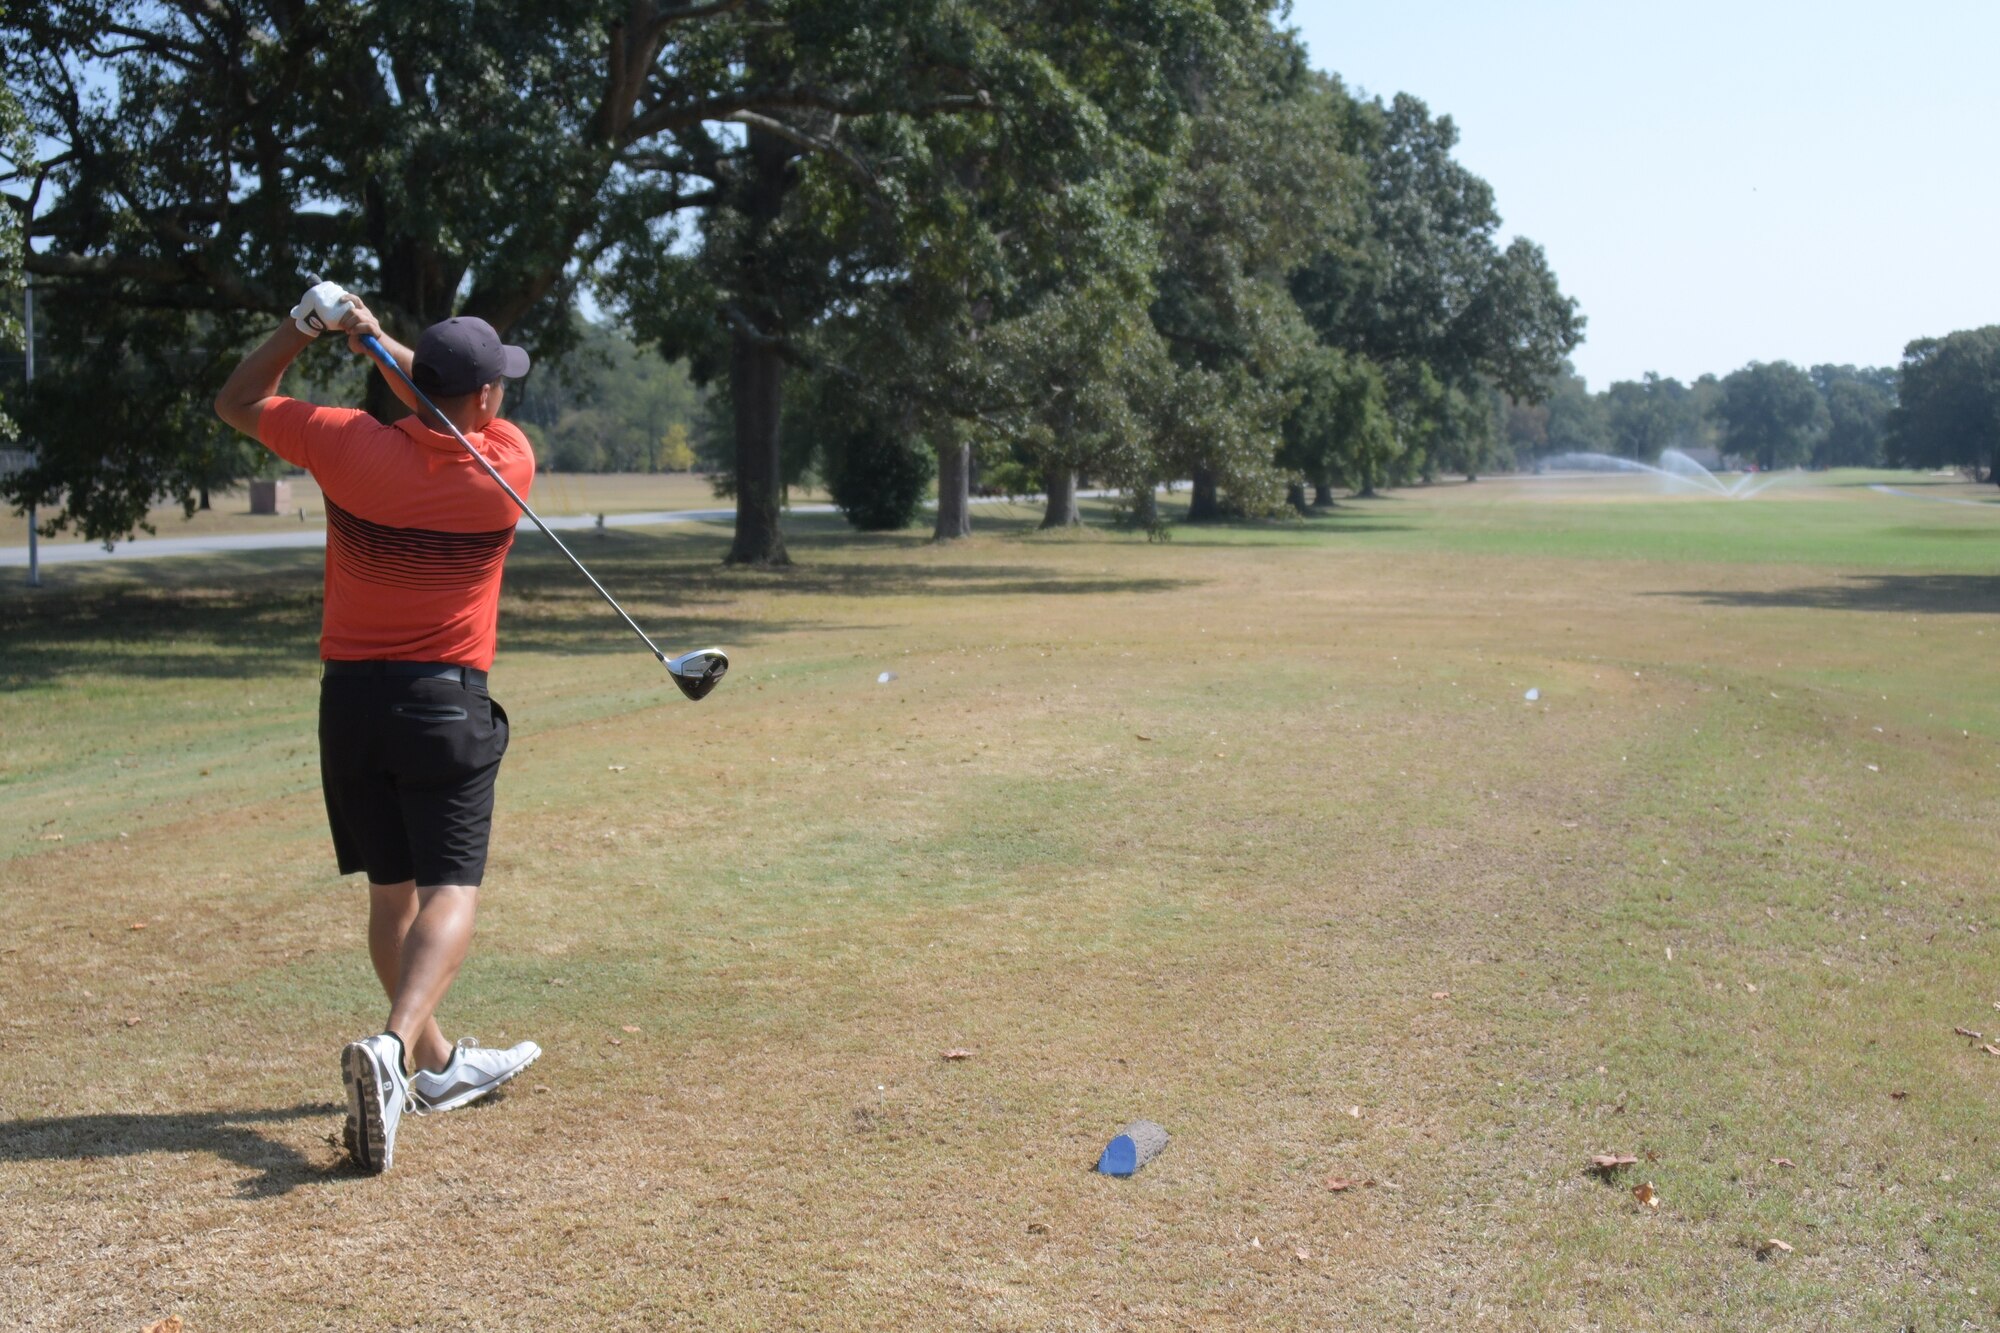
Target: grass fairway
(1252,834)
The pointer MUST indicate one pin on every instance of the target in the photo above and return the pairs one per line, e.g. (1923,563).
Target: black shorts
(408,768)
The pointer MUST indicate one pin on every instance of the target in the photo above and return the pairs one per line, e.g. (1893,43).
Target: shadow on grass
(1929,594)
(226,1134)
(245,616)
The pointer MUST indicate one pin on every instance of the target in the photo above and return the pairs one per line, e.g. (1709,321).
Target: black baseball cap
(462,354)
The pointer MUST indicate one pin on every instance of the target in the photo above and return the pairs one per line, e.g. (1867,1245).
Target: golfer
(410,741)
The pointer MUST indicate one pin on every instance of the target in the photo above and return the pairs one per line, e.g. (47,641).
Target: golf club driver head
(698,672)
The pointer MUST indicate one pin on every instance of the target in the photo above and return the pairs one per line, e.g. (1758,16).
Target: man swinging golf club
(410,741)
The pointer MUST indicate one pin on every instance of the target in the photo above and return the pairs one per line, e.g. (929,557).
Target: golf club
(696,673)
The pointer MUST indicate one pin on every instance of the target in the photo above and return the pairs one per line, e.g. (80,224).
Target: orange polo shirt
(416,532)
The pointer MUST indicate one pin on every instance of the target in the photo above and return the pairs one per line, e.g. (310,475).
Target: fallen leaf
(52,837)
(133,1022)
(1256,1243)
(956,1054)
(614,1041)
(140,925)
(1611,1161)
(1963,1032)
(1652,1155)
(1302,1254)
(1440,995)
(1354,1111)
(1783,1161)
(1038,1228)
(1766,1248)
(1670,953)
(1898,1095)
(1339,1183)
(1990,1049)
(1646,1194)
(1143,736)
(541,1087)
(171,1324)
(629,1028)
(615,768)
(1750,986)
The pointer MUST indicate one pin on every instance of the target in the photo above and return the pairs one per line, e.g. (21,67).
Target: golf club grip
(381,354)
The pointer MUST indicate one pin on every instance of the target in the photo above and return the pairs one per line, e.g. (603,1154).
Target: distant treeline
(1939,408)
(610,406)
(1768,414)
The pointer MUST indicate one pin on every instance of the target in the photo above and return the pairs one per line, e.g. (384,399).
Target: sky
(1718,183)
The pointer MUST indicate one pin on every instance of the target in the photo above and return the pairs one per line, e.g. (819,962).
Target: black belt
(470,677)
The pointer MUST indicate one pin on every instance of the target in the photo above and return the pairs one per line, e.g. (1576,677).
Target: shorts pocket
(429,712)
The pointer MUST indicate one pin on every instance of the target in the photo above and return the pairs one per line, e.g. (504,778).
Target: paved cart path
(150,548)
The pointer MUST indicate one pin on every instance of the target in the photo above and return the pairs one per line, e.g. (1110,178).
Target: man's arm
(254,382)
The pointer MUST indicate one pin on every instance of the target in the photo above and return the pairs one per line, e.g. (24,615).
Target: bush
(878,481)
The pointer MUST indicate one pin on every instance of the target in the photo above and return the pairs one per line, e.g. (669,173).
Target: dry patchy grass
(1252,834)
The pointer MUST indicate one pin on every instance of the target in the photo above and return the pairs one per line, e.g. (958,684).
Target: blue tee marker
(1141,1142)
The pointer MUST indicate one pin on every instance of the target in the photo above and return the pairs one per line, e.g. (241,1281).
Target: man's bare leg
(417,938)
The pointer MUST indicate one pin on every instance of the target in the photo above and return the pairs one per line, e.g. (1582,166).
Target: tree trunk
(954,487)
(1203,506)
(757,362)
(756,390)
(1322,495)
(1295,496)
(1060,483)
(203,489)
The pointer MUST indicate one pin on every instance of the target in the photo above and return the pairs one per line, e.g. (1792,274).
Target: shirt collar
(413,426)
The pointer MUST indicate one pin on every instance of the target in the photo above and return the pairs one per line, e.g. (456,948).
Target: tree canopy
(1948,409)
(1770,412)
(1134,241)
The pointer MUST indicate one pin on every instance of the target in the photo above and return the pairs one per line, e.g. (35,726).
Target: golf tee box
(1141,1142)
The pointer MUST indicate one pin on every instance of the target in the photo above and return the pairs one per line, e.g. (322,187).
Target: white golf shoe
(473,1072)
(377,1092)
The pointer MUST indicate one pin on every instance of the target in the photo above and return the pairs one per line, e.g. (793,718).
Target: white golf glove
(323,305)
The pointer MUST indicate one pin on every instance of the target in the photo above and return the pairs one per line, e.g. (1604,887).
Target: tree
(1262,187)
(1647,417)
(1948,403)
(450,160)
(1578,421)
(1419,284)
(966,311)
(676,449)
(1769,411)
(1858,403)
(1338,432)
(15,146)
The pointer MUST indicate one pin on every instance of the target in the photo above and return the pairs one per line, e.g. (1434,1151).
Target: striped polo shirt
(416,532)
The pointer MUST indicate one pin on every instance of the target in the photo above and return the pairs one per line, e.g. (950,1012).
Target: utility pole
(34,538)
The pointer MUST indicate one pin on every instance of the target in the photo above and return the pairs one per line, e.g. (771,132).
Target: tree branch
(688,13)
(793,135)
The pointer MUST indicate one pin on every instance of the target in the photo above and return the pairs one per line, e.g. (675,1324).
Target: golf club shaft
(381,354)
